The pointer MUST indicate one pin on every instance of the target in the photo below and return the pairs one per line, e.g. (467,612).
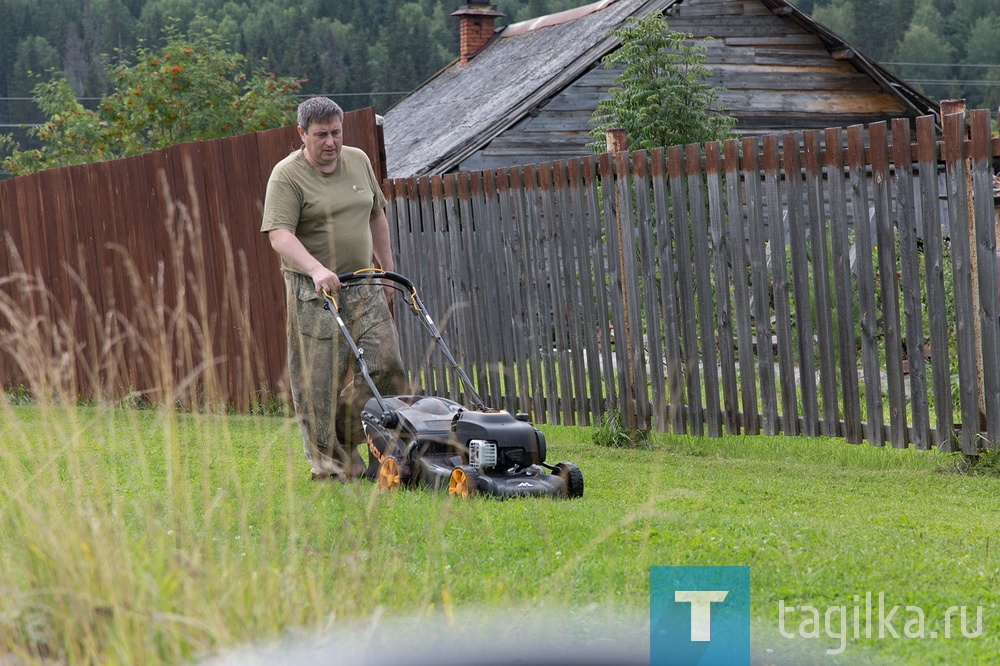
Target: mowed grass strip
(157,537)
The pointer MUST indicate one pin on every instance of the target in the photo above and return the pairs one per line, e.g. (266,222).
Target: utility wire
(965,84)
(301,95)
(939,64)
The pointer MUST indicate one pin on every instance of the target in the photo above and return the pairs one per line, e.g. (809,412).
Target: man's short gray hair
(318,110)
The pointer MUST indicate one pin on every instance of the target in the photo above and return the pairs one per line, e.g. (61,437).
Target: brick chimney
(475,27)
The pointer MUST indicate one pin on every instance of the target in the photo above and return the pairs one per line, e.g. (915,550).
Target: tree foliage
(921,46)
(661,97)
(189,90)
(943,47)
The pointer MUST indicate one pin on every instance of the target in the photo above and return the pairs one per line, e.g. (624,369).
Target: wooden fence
(839,283)
(148,276)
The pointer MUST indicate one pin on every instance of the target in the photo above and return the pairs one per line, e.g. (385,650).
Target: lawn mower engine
(498,442)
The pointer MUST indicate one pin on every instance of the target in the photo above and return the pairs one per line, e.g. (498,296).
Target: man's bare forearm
(295,254)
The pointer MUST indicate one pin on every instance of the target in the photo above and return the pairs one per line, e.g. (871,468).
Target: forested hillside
(365,52)
(371,52)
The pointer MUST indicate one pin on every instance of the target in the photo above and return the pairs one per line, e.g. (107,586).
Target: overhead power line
(945,82)
(940,64)
(304,95)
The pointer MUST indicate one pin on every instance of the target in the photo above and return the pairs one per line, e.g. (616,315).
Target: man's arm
(291,249)
(382,248)
(381,244)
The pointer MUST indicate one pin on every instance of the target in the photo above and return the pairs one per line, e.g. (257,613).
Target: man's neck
(328,168)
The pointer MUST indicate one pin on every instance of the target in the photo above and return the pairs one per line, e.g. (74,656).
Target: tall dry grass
(142,535)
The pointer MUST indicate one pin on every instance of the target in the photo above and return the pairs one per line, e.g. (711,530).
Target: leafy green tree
(189,90)
(660,98)
(921,47)
(963,17)
(357,64)
(980,49)
(927,14)
(879,25)
(35,56)
(837,16)
(405,50)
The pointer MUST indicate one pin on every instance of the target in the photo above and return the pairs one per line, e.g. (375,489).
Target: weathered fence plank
(513,297)
(722,276)
(580,275)
(635,348)
(681,226)
(591,248)
(818,239)
(779,284)
(760,285)
(561,386)
(741,288)
(535,277)
(501,298)
(843,290)
(650,284)
(708,356)
(934,269)
(888,279)
(672,357)
(439,271)
(797,223)
(958,210)
(909,256)
(864,246)
(985,239)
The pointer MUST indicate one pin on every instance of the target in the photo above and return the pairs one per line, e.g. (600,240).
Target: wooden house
(525,93)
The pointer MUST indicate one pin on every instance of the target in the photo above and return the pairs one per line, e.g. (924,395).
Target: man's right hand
(294,252)
(325,280)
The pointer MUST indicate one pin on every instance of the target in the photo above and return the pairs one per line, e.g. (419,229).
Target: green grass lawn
(155,537)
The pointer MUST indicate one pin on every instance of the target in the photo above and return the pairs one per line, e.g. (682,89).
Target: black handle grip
(375,274)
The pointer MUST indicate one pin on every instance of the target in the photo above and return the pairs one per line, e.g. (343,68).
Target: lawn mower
(437,443)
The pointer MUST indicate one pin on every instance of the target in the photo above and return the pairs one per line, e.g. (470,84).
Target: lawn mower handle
(377,274)
(417,306)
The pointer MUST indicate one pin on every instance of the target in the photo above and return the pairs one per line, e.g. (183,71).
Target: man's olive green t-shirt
(329,212)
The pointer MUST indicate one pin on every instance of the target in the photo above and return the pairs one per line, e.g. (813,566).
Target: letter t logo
(701,610)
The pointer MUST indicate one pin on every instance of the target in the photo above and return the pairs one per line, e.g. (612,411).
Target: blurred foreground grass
(161,537)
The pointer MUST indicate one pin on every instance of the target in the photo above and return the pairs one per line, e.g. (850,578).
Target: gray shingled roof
(460,109)
(442,120)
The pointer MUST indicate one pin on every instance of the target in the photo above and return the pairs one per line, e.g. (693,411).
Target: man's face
(323,142)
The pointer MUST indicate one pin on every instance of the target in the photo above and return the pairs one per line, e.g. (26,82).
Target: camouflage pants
(328,408)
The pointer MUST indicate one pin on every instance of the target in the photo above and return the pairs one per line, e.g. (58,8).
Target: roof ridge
(522,27)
